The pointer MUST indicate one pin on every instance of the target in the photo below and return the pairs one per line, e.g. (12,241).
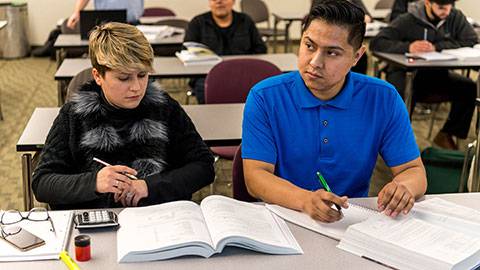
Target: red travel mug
(82,248)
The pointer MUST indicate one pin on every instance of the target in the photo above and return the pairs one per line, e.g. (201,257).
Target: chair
(229,82)
(158,11)
(78,80)
(258,11)
(240,191)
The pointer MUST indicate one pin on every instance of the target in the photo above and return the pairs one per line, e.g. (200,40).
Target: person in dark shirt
(433,25)
(399,7)
(224,31)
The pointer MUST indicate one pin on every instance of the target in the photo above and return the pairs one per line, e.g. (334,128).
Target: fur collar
(107,129)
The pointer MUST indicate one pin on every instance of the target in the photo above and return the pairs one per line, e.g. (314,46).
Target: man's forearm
(80,5)
(413,178)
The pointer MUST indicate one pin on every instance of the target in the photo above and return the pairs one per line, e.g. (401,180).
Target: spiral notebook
(355,213)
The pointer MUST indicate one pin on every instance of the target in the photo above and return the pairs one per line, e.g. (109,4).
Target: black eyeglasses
(11,217)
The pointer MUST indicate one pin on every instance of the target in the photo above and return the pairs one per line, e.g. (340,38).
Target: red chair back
(157,11)
(238,181)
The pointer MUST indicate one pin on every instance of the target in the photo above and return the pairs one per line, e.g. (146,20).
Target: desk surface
(402,61)
(172,67)
(74,41)
(380,14)
(319,252)
(225,130)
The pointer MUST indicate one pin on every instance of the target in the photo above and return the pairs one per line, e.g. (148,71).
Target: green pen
(323,182)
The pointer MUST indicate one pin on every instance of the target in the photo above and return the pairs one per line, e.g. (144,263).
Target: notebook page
(54,242)
(352,215)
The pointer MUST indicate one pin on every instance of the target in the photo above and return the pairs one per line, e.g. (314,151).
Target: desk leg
(287,36)
(409,76)
(476,164)
(27,181)
(59,53)
(275,30)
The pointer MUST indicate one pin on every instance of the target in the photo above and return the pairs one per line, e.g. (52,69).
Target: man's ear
(359,53)
(96,76)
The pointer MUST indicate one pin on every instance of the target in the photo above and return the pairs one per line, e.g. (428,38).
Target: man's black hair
(443,2)
(342,13)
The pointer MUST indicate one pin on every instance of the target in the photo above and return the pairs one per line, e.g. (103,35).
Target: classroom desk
(380,14)
(65,42)
(225,130)
(320,252)
(169,67)
(411,68)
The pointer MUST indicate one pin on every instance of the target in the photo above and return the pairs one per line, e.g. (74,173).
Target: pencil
(133,177)
(323,182)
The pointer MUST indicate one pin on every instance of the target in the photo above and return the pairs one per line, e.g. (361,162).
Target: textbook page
(238,222)
(351,215)
(447,214)
(54,242)
(463,53)
(144,230)
(407,241)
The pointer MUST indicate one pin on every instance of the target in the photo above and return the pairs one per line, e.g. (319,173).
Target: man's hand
(395,198)
(420,46)
(112,179)
(132,195)
(319,206)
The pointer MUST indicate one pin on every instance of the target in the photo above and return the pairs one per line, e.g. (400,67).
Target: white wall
(44,14)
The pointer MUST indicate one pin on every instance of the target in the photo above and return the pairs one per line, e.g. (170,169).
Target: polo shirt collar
(305,98)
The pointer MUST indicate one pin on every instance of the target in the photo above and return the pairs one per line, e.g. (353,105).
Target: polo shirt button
(325,123)
(325,140)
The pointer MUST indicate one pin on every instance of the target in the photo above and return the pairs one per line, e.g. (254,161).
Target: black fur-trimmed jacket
(157,139)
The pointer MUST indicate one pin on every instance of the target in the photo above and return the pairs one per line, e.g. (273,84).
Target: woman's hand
(112,179)
(132,195)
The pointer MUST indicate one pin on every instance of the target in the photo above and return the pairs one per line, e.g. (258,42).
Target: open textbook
(184,228)
(54,242)
(197,54)
(437,234)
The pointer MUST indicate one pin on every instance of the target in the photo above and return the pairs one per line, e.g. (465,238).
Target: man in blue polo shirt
(325,118)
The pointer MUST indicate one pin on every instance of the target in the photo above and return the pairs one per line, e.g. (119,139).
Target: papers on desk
(184,228)
(375,26)
(431,56)
(2,24)
(54,242)
(197,54)
(155,32)
(436,235)
(464,53)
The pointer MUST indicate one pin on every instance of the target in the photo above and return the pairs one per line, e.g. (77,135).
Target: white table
(320,252)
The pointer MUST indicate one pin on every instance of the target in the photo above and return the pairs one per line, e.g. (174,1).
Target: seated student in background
(127,121)
(325,118)
(134,9)
(433,25)
(362,64)
(224,31)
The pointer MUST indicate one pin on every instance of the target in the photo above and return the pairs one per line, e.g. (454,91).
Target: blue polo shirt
(286,125)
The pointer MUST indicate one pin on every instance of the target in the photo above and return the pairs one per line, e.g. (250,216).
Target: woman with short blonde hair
(125,120)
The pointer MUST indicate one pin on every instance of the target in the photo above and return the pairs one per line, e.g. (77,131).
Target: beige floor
(28,83)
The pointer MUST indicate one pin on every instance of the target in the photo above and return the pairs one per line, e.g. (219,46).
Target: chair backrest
(231,80)
(256,9)
(157,11)
(78,80)
(180,23)
(240,191)
(384,4)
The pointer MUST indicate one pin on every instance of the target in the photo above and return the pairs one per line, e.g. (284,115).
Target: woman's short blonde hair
(119,46)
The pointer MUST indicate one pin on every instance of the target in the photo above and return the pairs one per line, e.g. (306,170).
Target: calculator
(95,219)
